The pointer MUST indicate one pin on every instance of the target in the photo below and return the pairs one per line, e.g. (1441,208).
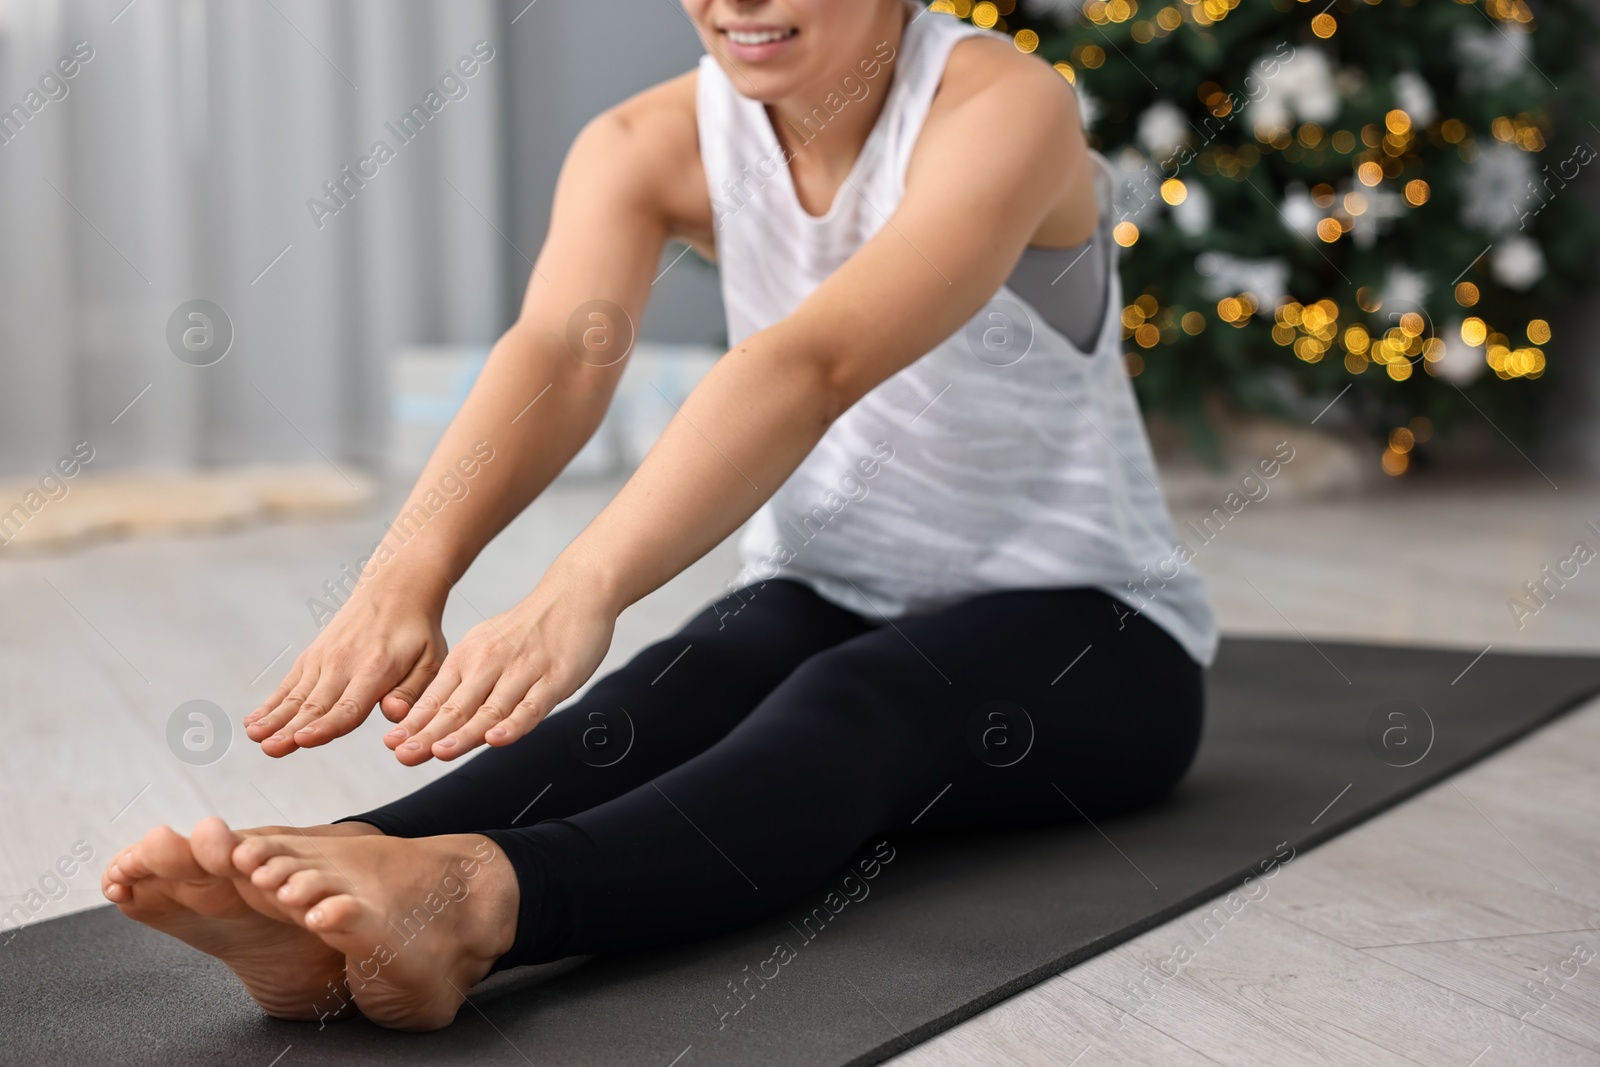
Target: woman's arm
(980,183)
(536,402)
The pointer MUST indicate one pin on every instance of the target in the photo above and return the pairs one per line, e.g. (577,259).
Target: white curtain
(176,164)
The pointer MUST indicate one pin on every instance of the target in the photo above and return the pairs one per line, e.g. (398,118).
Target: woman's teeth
(763,37)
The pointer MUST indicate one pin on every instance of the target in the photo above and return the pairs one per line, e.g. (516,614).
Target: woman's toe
(338,914)
(166,853)
(213,842)
(305,887)
(252,851)
(275,871)
(127,866)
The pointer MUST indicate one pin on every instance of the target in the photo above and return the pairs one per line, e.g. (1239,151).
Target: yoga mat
(951,924)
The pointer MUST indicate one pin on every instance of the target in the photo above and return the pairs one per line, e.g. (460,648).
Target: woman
(959,604)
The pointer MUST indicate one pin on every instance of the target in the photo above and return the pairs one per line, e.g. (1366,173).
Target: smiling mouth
(755,37)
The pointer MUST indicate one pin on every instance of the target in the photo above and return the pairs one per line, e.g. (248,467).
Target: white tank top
(1005,458)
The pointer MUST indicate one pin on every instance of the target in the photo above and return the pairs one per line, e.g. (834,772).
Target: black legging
(728,770)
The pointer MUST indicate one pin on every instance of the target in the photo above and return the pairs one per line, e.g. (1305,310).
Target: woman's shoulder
(650,143)
(1026,112)
(654,125)
(988,64)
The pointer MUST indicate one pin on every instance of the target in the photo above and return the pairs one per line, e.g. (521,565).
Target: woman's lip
(742,26)
(755,53)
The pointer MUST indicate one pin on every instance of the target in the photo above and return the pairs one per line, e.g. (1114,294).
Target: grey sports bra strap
(1070,286)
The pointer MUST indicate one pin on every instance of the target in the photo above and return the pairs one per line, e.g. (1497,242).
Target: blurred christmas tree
(1363,200)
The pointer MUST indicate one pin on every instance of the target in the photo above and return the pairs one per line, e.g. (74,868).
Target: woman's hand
(509,672)
(383,644)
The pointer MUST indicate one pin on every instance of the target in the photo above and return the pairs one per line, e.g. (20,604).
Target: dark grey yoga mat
(952,924)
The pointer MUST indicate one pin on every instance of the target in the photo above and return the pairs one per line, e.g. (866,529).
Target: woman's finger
(283,690)
(348,712)
(427,705)
(286,709)
(398,702)
(496,708)
(330,684)
(476,684)
(540,700)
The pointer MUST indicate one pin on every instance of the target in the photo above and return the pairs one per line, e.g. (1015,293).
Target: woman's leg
(672,701)
(1007,708)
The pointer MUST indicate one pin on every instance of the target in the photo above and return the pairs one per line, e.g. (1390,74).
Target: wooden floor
(1412,939)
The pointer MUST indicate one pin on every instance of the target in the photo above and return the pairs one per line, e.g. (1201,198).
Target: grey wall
(179,165)
(570,62)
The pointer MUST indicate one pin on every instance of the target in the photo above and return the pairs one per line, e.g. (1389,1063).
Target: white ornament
(1269,115)
(1088,106)
(1267,280)
(1495,188)
(1383,205)
(1460,363)
(1306,79)
(1064,11)
(1163,129)
(1318,99)
(1193,216)
(1137,185)
(1491,57)
(1403,291)
(1299,213)
(1302,87)
(1517,262)
(1414,97)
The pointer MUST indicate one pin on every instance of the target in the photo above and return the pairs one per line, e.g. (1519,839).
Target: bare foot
(418,921)
(189,889)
